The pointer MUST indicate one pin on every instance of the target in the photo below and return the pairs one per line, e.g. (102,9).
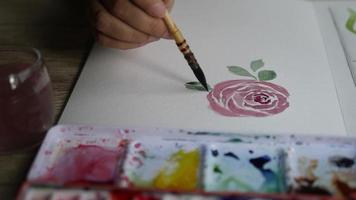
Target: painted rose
(243,98)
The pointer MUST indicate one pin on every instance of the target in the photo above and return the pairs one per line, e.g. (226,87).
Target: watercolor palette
(38,192)
(169,165)
(231,167)
(156,159)
(323,169)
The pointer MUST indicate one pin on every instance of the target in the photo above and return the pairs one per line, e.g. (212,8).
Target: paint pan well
(84,163)
(321,169)
(162,165)
(243,168)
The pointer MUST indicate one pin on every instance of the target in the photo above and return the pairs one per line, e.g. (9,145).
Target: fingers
(138,19)
(155,8)
(115,28)
(127,24)
(169,4)
(107,41)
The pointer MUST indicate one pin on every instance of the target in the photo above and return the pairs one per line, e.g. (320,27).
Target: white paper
(341,14)
(145,87)
(340,47)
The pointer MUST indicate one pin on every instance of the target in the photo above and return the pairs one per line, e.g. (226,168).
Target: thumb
(155,8)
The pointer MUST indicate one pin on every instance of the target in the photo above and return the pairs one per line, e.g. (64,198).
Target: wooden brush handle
(173,29)
(177,35)
(185,49)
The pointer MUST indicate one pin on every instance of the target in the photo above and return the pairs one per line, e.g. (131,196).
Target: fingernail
(157,10)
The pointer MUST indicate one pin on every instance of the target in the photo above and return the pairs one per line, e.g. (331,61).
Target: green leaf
(196,86)
(240,71)
(351,22)
(266,75)
(257,64)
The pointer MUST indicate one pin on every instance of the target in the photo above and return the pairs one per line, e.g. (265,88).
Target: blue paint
(259,162)
(215,152)
(271,179)
(231,155)
(342,162)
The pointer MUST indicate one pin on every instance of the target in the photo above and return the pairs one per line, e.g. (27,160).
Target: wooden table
(60,30)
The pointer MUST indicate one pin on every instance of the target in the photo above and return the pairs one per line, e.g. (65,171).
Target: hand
(127,24)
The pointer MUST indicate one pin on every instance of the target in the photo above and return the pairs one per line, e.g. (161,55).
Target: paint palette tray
(194,162)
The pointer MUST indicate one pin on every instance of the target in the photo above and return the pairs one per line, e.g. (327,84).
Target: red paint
(84,163)
(145,197)
(343,187)
(132,195)
(25,112)
(122,144)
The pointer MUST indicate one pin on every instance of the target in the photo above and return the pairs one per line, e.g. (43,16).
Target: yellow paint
(180,172)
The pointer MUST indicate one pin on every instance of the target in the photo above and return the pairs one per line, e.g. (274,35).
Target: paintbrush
(185,49)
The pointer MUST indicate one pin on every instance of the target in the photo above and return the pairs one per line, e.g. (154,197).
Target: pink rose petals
(244,98)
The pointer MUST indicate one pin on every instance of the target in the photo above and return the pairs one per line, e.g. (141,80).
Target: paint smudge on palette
(38,194)
(162,165)
(322,169)
(188,197)
(84,163)
(65,194)
(244,168)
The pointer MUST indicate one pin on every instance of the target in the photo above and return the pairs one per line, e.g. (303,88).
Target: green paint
(217,169)
(350,24)
(235,140)
(196,86)
(240,71)
(236,183)
(282,185)
(138,181)
(263,75)
(257,64)
(266,75)
(179,172)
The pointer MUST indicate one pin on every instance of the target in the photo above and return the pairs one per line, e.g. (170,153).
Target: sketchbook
(276,66)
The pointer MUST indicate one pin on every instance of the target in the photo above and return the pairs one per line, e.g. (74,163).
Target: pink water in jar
(26,105)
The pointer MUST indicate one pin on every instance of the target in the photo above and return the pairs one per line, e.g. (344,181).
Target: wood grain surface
(59,29)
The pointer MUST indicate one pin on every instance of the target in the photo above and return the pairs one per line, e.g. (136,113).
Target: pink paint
(243,98)
(137,160)
(137,145)
(84,163)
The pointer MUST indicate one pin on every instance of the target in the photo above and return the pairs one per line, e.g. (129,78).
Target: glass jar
(26,105)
